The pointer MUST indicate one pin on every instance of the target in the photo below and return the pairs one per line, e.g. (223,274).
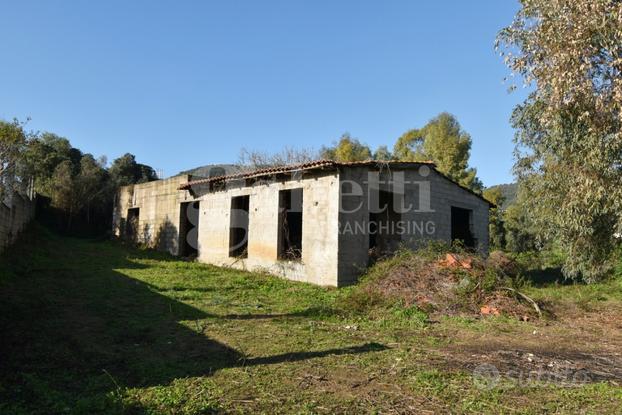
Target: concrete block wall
(159,212)
(334,249)
(318,264)
(354,210)
(446,194)
(14,218)
(426,214)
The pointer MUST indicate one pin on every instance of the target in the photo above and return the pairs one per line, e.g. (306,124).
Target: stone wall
(14,216)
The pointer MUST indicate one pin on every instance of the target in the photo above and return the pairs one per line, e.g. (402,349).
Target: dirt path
(576,349)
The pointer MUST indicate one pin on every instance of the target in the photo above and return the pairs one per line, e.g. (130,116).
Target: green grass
(98,327)
(588,297)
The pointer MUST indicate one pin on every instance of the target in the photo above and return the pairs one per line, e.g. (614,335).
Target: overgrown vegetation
(569,130)
(115,329)
(442,280)
(79,189)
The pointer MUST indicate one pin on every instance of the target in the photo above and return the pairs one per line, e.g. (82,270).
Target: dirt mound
(452,284)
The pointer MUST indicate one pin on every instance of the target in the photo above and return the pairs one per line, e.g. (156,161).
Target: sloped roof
(321,165)
(210,170)
(312,165)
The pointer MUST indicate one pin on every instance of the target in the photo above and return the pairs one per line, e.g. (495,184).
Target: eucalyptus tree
(569,129)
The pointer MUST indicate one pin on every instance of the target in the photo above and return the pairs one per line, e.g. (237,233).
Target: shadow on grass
(75,331)
(296,356)
(547,276)
(310,312)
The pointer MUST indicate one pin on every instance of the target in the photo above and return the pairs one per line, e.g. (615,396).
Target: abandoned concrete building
(320,222)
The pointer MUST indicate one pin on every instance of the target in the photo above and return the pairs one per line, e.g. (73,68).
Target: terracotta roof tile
(319,165)
(312,165)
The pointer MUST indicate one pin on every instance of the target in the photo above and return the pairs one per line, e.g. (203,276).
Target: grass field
(98,327)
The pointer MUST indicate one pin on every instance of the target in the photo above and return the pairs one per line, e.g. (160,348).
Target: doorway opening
(290,224)
(238,225)
(461,226)
(189,229)
(131,227)
(384,234)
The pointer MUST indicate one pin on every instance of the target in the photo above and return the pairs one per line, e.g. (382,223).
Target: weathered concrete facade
(149,213)
(320,209)
(316,222)
(15,214)
(426,198)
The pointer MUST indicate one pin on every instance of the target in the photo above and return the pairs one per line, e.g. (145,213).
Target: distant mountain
(508,191)
(213,170)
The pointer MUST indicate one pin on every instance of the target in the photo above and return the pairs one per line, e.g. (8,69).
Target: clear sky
(186,83)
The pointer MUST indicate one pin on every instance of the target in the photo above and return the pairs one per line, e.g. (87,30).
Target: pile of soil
(454,284)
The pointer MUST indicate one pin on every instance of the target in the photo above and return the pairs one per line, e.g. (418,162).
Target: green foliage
(382,153)
(413,316)
(617,258)
(569,130)
(347,149)
(442,141)
(494,196)
(125,170)
(521,233)
(496,229)
(63,196)
(508,191)
(76,183)
(12,143)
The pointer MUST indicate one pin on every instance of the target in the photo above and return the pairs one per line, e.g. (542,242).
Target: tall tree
(346,149)
(41,157)
(92,187)
(382,153)
(569,130)
(496,229)
(442,141)
(63,193)
(520,230)
(12,143)
(125,170)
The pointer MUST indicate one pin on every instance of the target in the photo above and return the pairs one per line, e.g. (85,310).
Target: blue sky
(187,83)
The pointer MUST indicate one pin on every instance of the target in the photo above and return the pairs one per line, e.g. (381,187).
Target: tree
(382,153)
(82,189)
(442,141)
(252,160)
(63,190)
(569,130)
(92,186)
(41,157)
(12,143)
(521,233)
(409,147)
(496,229)
(346,149)
(125,171)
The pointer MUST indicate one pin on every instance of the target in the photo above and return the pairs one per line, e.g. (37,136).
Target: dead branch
(528,299)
